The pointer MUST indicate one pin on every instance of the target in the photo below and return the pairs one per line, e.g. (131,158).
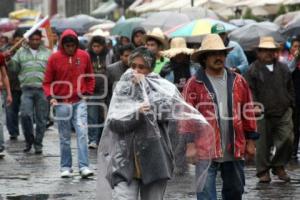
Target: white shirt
(270,67)
(33,51)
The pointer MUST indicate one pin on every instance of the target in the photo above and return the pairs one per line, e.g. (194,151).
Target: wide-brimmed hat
(157,35)
(178,46)
(210,43)
(267,42)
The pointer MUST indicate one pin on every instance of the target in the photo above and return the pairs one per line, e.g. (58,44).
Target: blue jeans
(34,105)
(12,113)
(66,116)
(233,177)
(95,121)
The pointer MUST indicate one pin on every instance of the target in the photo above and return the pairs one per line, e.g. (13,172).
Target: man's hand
(9,100)
(250,149)
(145,107)
(235,69)
(53,102)
(137,77)
(191,153)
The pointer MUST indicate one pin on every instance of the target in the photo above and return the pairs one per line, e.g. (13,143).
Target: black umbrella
(79,23)
(248,36)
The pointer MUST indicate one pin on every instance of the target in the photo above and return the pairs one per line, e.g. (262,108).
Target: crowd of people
(106,95)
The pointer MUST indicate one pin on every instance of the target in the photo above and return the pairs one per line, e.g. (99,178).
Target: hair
(37,32)
(295,39)
(70,39)
(144,53)
(127,47)
(159,44)
(99,40)
(17,34)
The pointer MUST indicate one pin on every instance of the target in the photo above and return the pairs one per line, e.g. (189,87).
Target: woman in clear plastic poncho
(135,156)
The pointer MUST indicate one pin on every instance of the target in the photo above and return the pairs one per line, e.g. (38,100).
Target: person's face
(153,46)
(138,39)
(266,56)
(54,37)
(295,47)
(215,60)
(124,41)
(70,48)
(138,64)
(16,40)
(124,57)
(97,48)
(3,41)
(35,41)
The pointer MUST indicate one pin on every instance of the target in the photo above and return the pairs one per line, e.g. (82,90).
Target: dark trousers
(12,113)
(296,120)
(96,115)
(233,177)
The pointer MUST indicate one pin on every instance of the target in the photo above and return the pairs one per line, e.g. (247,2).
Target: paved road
(36,177)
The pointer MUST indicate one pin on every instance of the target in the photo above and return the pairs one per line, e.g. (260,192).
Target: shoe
(281,173)
(27,149)
(265,178)
(38,151)
(86,172)
(66,174)
(13,137)
(2,154)
(93,145)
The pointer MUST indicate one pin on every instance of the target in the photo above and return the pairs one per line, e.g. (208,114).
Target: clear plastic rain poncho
(127,129)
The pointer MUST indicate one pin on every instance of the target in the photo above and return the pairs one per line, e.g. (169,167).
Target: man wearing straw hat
(272,86)
(155,41)
(224,98)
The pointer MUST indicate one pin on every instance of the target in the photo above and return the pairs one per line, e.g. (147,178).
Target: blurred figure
(155,41)
(137,36)
(5,81)
(29,63)
(55,40)
(12,111)
(70,64)
(115,70)
(272,87)
(100,58)
(4,43)
(236,60)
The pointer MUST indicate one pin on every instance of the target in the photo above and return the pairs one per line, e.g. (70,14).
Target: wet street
(37,177)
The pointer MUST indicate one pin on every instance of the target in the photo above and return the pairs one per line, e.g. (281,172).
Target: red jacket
(68,77)
(200,94)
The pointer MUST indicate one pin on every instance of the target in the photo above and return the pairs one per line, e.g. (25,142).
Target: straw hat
(158,35)
(210,43)
(267,43)
(178,46)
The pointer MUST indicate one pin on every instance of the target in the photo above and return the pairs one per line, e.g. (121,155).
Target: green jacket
(30,68)
(159,64)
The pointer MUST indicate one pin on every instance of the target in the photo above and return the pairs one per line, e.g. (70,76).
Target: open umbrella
(165,20)
(292,28)
(284,19)
(242,22)
(248,36)
(124,28)
(7,25)
(197,28)
(79,23)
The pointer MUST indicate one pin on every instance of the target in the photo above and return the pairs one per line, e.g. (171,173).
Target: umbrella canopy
(79,23)
(198,13)
(284,19)
(7,25)
(197,28)
(293,27)
(165,20)
(24,14)
(257,30)
(242,22)
(124,28)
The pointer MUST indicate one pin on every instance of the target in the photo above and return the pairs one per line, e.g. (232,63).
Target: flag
(47,33)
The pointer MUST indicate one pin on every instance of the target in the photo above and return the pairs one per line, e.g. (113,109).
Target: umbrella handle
(13,48)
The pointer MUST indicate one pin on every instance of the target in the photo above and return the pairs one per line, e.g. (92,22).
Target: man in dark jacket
(115,70)
(272,87)
(68,80)
(100,57)
(137,36)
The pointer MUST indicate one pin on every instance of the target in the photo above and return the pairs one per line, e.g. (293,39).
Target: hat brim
(195,56)
(262,47)
(159,39)
(176,51)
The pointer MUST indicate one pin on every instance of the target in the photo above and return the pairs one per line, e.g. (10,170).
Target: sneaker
(2,154)
(66,174)
(265,177)
(27,148)
(86,172)
(282,175)
(93,145)
(13,137)
(38,151)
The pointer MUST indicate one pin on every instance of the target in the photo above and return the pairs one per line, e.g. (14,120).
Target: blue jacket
(237,58)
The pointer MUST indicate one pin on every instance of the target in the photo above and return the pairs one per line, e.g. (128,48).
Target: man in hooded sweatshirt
(137,36)
(68,80)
